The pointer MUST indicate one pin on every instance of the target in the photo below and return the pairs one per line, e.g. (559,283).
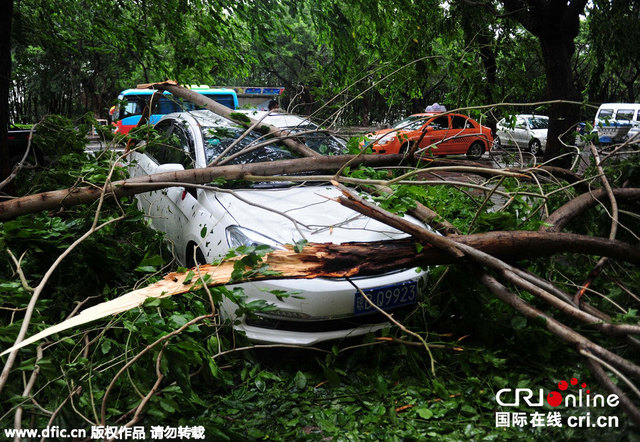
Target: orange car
(433,134)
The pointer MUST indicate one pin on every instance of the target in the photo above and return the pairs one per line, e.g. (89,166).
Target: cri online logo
(555,398)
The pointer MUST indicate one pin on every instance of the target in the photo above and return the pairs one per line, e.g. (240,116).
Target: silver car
(525,132)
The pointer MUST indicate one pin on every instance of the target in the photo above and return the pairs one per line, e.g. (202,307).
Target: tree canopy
(384,59)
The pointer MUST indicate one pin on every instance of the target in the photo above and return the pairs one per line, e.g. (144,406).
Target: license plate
(386,297)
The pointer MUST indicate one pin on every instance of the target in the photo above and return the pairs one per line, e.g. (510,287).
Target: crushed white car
(204,224)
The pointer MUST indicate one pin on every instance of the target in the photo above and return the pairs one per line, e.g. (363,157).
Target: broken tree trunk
(533,285)
(357,259)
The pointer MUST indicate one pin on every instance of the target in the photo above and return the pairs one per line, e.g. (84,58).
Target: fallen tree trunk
(83,195)
(559,219)
(356,259)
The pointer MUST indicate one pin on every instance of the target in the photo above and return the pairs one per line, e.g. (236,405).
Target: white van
(616,122)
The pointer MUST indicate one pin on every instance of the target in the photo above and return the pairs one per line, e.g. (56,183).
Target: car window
(175,146)
(411,123)
(133,106)
(605,113)
(521,124)
(166,105)
(624,114)
(460,122)
(538,123)
(321,142)
(217,139)
(440,123)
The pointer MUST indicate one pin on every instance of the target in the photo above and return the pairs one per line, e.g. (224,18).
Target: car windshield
(538,123)
(218,138)
(413,122)
(319,141)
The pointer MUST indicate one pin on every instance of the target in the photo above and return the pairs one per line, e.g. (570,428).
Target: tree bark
(6,14)
(559,219)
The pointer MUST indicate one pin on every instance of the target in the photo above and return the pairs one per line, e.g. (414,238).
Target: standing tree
(6,12)
(556,24)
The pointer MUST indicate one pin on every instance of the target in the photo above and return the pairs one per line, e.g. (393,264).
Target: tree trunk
(557,51)
(556,24)
(6,14)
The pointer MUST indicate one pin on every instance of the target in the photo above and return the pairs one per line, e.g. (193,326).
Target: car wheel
(475,150)
(535,147)
(199,258)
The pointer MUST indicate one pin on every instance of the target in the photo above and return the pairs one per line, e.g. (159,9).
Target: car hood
(382,132)
(318,216)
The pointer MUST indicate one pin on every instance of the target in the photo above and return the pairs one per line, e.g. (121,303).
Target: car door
(521,133)
(436,133)
(463,133)
(148,161)
(170,209)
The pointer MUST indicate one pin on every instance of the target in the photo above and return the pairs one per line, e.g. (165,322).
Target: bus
(131,103)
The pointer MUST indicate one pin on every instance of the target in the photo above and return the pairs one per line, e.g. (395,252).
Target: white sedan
(207,223)
(525,132)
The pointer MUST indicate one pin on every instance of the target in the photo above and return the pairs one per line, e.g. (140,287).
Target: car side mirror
(169,167)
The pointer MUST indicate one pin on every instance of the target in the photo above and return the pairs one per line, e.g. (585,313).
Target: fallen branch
(226,112)
(559,219)
(84,195)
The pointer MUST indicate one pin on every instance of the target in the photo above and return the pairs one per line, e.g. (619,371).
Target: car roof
(433,114)
(278,119)
(209,118)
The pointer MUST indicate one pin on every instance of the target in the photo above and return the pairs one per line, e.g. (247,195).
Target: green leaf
(300,380)
(332,377)
(440,389)
(424,413)
(260,384)
(189,277)
(518,322)
(105,346)
(299,245)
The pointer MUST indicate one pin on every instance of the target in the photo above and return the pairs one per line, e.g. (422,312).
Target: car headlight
(388,138)
(241,236)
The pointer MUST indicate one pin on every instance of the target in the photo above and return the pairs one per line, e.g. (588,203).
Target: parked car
(204,224)
(524,131)
(617,122)
(438,134)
